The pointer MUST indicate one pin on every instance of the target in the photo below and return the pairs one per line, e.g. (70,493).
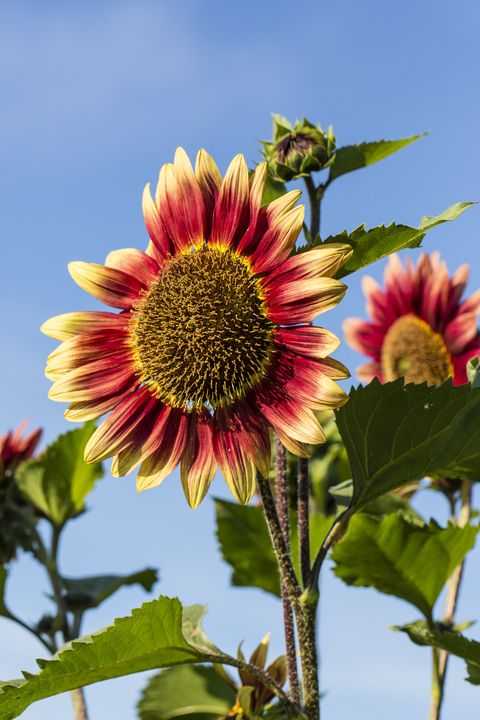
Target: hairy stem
(304,519)
(281,499)
(453,594)
(335,533)
(307,634)
(287,572)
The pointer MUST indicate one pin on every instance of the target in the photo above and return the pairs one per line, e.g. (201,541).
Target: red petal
(307,340)
(231,209)
(198,463)
(162,244)
(166,457)
(111,286)
(134,262)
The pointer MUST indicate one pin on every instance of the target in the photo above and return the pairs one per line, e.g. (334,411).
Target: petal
(237,445)
(209,179)
(117,429)
(257,185)
(134,262)
(92,409)
(367,338)
(323,261)
(461,331)
(278,241)
(152,430)
(162,245)
(63,327)
(198,463)
(111,286)
(289,417)
(300,301)
(88,346)
(309,340)
(231,209)
(310,381)
(181,203)
(92,380)
(166,457)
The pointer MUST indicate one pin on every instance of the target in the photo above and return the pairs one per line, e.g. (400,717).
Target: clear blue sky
(95,97)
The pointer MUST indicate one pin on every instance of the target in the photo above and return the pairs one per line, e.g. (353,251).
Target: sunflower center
(412,350)
(201,336)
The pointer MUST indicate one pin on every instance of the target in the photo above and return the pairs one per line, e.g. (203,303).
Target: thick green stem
(307,634)
(79,704)
(315,195)
(282,503)
(453,593)
(303,489)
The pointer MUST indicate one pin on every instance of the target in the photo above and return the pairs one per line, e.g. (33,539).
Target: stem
(256,672)
(79,705)
(304,519)
(281,495)
(335,533)
(281,550)
(314,195)
(437,689)
(307,634)
(453,594)
(14,618)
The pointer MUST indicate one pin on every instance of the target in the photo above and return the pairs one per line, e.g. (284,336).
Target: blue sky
(95,97)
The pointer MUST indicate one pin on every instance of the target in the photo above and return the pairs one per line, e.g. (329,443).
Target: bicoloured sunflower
(420,328)
(213,345)
(16,448)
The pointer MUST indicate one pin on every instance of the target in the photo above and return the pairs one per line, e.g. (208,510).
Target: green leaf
(88,592)
(378,242)
(354,157)
(396,433)
(58,482)
(273,190)
(151,637)
(186,691)
(400,558)
(245,544)
(452,642)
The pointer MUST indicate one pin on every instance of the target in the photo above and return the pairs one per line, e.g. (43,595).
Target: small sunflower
(421,328)
(15,449)
(213,345)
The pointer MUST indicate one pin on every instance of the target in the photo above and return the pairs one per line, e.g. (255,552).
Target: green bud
(297,151)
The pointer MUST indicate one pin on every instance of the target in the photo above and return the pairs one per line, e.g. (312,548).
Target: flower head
(297,151)
(14,448)
(213,345)
(16,513)
(420,328)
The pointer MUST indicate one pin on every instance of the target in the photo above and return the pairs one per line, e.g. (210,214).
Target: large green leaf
(378,242)
(245,544)
(58,482)
(452,642)
(88,592)
(396,433)
(354,157)
(151,637)
(401,558)
(186,691)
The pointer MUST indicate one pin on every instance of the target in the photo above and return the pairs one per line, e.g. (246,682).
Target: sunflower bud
(297,151)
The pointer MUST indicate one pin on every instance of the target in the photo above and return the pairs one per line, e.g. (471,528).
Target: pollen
(414,351)
(201,336)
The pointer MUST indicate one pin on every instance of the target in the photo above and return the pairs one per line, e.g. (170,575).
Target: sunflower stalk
(282,503)
(440,657)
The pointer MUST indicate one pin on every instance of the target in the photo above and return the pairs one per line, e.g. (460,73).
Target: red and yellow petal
(246,244)
(160,463)
(161,245)
(277,242)
(300,301)
(63,327)
(289,416)
(134,262)
(230,217)
(122,425)
(77,350)
(153,428)
(323,261)
(93,380)
(198,464)
(307,340)
(210,180)
(110,286)
(181,203)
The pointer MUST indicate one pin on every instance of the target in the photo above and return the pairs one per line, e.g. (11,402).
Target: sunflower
(213,345)
(14,448)
(421,328)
